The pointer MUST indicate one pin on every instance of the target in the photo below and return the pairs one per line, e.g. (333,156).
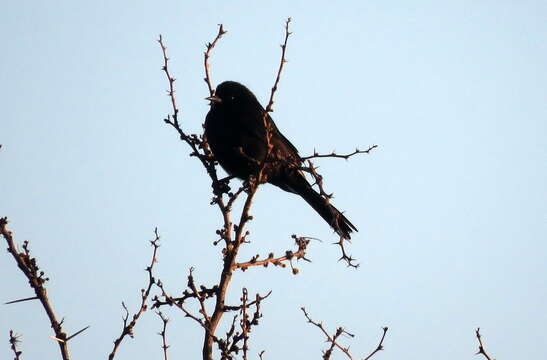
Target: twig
(335,155)
(36,277)
(163,334)
(380,344)
(200,297)
(331,339)
(171,91)
(169,300)
(195,142)
(347,258)
(14,340)
(258,299)
(210,46)
(302,243)
(481,346)
(269,106)
(128,327)
(341,331)
(244,322)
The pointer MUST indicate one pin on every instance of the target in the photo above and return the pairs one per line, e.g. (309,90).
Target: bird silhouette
(237,136)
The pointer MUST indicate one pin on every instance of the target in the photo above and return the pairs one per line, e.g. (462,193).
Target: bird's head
(230,93)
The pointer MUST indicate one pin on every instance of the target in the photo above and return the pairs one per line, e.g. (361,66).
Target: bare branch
(302,243)
(128,327)
(335,155)
(195,142)
(201,298)
(171,80)
(36,278)
(169,300)
(481,346)
(206,54)
(163,334)
(269,107)
(380,344)
(350,261)
(258,299)
(332,339)
(14,340)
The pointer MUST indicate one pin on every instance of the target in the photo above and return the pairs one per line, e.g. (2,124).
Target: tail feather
(294,182)
(341,225)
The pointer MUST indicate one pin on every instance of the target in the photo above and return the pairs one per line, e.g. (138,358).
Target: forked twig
(210,46)
(36,278)
(14,340)
(332,339)
(481,346)
(163,334)
(129,325)
(333,154)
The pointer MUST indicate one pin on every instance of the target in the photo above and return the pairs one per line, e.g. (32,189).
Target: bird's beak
(214,99)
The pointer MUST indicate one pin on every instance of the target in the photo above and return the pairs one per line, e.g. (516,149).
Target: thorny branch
(163,334)
(128,326)
(236,341)
(14,340)
(36,278)
(282,62)
(269,107)
(301,242)
(335,155)
(195,142)
(332,339)
(178,302)
(206,56)
(481,346)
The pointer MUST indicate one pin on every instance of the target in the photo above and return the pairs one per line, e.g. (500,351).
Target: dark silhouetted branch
(36,278)
(481,346)
(333,339)
(210,46)
(163,334)
(380,344)
(129,325)
(333,154)
(301,242)
(14,340)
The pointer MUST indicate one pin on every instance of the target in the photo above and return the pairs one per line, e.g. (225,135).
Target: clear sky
(451,208)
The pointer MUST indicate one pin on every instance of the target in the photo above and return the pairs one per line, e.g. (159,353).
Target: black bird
(236,133)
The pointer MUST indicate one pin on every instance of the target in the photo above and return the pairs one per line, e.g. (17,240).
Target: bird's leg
(226,179)
(221,185)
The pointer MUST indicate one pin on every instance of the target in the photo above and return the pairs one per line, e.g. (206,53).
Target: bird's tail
(341,225)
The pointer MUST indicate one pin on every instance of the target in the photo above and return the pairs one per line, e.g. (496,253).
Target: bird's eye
(232,97)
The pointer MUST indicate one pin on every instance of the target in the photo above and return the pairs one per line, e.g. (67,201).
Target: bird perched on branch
(237,132)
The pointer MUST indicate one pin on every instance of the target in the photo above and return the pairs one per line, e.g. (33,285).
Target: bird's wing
(282,144)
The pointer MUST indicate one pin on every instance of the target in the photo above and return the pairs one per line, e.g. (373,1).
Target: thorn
(21,300)
(77,333)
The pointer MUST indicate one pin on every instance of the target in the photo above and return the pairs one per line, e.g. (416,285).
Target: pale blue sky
(451,207)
